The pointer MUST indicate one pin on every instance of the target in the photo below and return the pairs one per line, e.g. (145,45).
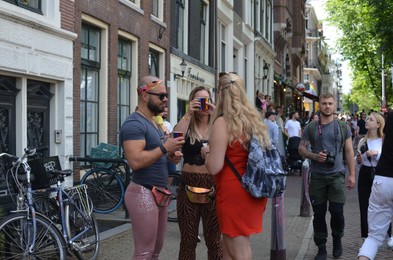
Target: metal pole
(305,204)
(383,105)
(277,248)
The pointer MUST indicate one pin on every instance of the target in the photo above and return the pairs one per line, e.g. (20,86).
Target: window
(154,62)
(180,24)
(157,9)
(123,80)
(32,5)
(222,47)
(182,106)
(245,66)
(257,16)
(268,21)
(307,19)
(262,17)
(250,13)
(204,17)
(89,88)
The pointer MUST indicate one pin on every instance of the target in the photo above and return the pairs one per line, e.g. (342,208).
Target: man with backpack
(329,140)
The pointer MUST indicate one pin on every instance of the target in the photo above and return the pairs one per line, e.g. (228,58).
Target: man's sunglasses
(161,96)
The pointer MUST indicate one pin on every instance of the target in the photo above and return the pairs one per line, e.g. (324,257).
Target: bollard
(277,247)
(305,204)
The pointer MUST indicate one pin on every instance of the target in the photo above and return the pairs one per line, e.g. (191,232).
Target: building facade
(69,69)
(36,77)
(119,42)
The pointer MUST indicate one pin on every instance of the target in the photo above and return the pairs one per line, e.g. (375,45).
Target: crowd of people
(213,132)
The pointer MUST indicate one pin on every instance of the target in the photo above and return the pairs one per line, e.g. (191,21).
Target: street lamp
(265,71)
(183,66)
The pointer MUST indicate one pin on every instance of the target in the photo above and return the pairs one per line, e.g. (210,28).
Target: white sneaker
(389,242)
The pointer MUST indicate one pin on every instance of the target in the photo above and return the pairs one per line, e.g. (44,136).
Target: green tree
(367,31)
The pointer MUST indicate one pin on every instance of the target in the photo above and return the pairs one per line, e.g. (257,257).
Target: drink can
(204,106)
(177,134)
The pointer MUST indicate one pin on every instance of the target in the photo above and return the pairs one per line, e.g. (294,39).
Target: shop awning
(310,96)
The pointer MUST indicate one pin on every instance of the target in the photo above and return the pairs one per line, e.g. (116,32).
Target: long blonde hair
(381,122)
(193,132)
(242,118)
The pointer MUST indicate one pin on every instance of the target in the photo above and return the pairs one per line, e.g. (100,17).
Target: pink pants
(148,222)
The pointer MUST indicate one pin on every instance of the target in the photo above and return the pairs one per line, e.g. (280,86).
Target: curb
(305,243)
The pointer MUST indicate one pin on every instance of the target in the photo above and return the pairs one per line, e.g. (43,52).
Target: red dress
(239,214)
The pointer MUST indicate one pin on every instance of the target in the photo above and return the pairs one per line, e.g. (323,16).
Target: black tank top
(192,152)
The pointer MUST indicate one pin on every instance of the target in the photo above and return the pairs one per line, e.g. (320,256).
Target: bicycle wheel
(82,229)
(16,235)
(47,206)
(173,185)
(106,189)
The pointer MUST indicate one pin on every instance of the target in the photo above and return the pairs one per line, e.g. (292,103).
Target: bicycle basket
(104,151)
(79,197)
(41,169)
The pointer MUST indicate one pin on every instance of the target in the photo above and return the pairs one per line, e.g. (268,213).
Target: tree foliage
(367,33)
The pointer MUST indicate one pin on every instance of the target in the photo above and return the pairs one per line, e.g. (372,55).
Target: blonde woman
(235,121)
(368,155)
(195,125)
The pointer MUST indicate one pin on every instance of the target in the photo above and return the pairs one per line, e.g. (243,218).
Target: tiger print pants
(189,215)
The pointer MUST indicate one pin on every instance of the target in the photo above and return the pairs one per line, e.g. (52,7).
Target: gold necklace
(149,119)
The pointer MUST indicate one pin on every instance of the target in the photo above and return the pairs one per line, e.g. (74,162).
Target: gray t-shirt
(137,127)
(329,140)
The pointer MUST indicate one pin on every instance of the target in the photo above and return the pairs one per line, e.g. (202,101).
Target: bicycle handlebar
(105,160)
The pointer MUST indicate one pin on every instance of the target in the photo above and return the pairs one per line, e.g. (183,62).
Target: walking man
(327,184)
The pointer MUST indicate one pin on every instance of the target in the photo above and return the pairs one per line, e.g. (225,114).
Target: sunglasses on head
(226,73)
(161,96)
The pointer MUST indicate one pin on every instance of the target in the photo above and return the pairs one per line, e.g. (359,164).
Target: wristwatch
(163,150)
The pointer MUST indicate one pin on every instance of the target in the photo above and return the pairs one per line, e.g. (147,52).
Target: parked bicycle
(29,234)
(107,185)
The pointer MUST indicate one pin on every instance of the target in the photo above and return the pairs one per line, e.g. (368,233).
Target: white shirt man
(292,126)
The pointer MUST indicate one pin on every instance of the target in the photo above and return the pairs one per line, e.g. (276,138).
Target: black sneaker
(337,248)
(322,254)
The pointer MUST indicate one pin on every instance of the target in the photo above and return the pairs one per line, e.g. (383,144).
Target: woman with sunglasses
(235,121)
(195,125)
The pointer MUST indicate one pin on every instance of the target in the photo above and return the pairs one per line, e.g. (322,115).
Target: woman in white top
(368,154)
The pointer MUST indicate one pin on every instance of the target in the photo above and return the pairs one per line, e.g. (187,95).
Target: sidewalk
(117,243)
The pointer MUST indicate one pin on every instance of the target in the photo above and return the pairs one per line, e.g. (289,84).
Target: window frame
(90,129)
(204,23)
(20,4)
(124,74)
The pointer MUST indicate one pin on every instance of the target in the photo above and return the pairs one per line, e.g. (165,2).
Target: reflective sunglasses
(161,96)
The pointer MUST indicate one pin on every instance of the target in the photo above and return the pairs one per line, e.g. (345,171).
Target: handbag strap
(233,169)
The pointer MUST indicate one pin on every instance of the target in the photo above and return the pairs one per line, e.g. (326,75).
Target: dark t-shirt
(137,127)
(385,163)
(362,127)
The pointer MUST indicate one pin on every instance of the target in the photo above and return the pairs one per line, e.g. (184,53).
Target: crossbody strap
(233,169)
